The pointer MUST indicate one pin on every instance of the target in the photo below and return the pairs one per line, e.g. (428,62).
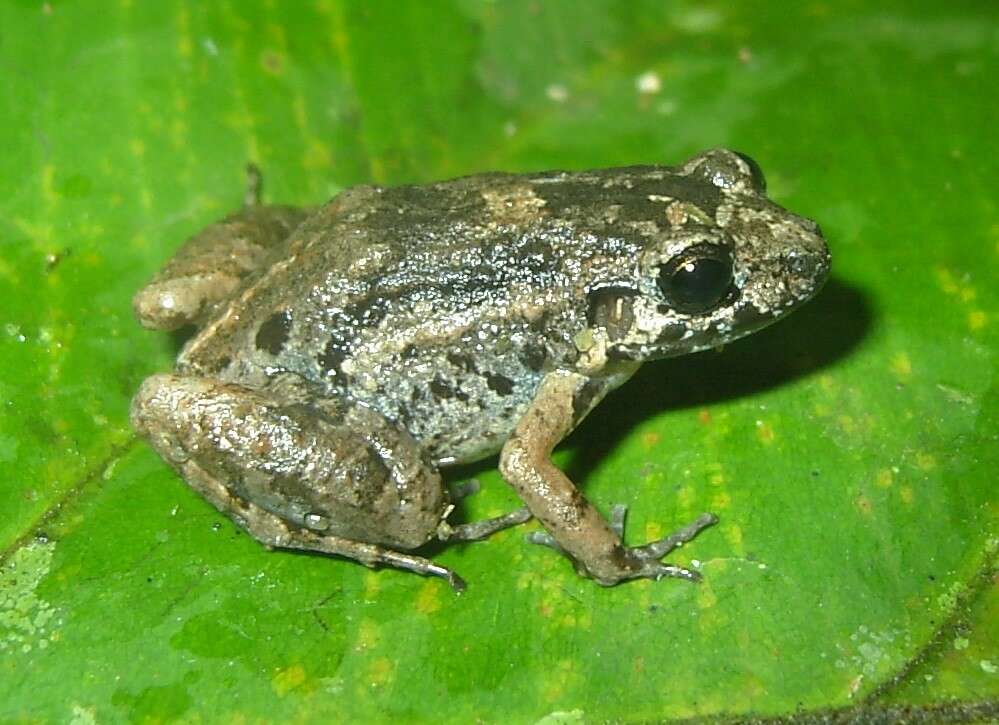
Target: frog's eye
(697,279)
(755,172)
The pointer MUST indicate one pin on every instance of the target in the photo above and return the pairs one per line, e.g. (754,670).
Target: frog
(345,355)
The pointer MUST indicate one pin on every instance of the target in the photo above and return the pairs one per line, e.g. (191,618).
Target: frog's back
(441,305)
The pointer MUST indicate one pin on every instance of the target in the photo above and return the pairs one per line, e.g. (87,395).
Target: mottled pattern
(398,330)
(442,306)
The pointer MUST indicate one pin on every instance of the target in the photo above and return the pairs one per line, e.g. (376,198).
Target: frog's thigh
(332,477)
(526,463)
(214,264)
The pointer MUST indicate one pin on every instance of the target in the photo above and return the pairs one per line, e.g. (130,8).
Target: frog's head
(715,274)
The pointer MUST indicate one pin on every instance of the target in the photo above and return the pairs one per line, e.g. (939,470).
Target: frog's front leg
(216,263)
(577,527)
(322,475)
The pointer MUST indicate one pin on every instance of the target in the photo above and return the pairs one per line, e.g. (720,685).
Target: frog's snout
(810,268)
(802,260)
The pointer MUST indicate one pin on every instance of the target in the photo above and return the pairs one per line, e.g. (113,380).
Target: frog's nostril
(807,265)
(803,265)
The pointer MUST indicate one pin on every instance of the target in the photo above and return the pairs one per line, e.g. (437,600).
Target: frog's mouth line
(696,341)
(678,339)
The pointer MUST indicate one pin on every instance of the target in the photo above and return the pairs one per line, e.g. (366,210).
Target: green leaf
(849,451)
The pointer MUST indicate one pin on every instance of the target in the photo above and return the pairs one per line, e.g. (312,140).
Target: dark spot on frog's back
(440,389)
(461,361)
(499,384)
(541,323)
(218,364)
(533,356)
(273,333)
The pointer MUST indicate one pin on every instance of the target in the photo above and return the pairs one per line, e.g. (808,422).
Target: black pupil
(697,284)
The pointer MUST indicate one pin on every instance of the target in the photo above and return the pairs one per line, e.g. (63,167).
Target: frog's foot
(478,530)
(416,564)
(647,556)
(273,531)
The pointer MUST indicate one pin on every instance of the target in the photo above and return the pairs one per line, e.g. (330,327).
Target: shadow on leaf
(810,340)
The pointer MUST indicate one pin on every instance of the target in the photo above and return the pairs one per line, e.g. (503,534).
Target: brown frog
(348,352)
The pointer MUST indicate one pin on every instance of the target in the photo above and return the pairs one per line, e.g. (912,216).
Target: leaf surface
(850,451)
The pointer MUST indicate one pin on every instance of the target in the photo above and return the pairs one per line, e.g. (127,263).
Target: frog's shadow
(825,330)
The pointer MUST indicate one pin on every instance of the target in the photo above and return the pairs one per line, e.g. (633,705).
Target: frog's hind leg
(479,530)
(654,550)
(275,532)
(319,475)
(616,522)
(216,263)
